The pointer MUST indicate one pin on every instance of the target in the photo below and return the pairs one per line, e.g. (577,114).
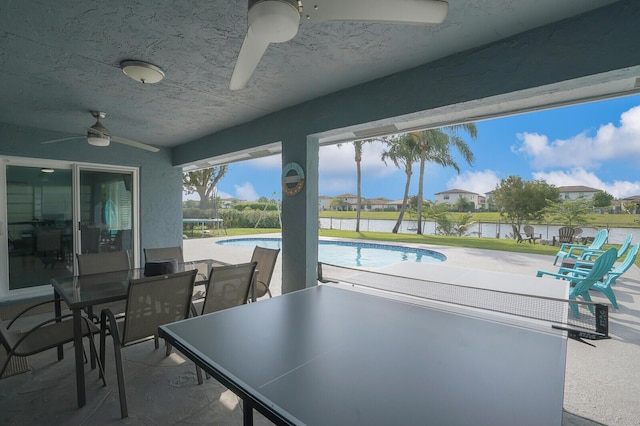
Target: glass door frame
(135,206)
(75,167)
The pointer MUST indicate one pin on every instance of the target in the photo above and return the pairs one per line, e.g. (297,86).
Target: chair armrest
(109,323)
(27,309)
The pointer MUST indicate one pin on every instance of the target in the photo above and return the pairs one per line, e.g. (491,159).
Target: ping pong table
(328,355)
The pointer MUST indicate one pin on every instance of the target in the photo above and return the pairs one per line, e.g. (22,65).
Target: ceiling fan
(98,135)
(277,21)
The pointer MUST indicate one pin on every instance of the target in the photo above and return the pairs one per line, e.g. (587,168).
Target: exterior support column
(300,218)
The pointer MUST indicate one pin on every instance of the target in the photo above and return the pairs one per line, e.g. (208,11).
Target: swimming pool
(347,253)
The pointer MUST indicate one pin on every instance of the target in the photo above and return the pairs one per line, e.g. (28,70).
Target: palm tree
(435,145)
(402,153)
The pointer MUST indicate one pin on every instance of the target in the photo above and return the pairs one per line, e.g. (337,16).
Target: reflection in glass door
(39,209)
(106,211)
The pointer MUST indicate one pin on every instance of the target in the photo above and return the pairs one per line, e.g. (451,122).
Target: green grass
(595,220)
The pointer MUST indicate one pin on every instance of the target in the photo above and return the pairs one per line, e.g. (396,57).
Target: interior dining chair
(164,253)
(266,259)
(43,336)
(151,302)
(99,263)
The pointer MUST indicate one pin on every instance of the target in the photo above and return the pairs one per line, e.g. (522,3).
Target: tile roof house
(577,192)
(451,196)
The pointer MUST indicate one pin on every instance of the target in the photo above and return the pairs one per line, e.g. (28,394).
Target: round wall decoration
(292,178)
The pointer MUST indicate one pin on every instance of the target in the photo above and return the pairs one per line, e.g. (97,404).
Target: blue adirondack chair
(605,286)
(571,250)
(590,255)
(583,279)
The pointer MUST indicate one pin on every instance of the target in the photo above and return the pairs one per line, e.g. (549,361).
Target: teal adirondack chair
(571,250)
(590,255)
(584,279)
(605,286)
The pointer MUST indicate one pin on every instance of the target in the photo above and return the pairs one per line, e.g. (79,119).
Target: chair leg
(121,386)
(103,335)
(199,375)
(94,352)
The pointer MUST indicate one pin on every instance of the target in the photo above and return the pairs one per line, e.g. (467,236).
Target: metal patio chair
(164,253)
(151,302)
(43,336)
(266,259)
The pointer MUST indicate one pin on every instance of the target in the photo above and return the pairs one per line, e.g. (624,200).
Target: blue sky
(595,144)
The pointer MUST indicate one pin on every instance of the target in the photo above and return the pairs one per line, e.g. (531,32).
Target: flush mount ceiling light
(141,71)
(47,170)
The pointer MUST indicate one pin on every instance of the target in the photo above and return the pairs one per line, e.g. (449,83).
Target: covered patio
(164,390)
(335,82)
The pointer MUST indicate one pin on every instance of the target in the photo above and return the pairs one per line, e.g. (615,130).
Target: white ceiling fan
(98,135)
(277,21)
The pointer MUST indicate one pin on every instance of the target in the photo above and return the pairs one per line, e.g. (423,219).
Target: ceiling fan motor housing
(275,21)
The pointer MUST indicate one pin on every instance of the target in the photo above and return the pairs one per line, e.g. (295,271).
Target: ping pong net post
(590,325)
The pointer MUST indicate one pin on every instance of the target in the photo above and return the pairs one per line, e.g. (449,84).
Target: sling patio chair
(574,251)
(228,287)
(164,253)
(99,263)
(266,259)
(151,302)
(43,336)
(583,279)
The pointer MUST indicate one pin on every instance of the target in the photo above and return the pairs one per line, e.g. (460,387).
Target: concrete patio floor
(602,384)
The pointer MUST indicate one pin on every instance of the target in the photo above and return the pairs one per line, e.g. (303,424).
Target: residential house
(451,196)
(577,192)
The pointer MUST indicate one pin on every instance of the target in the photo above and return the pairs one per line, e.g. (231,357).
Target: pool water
(350,254)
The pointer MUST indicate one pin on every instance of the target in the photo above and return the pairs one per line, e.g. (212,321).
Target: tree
(435,146)
(464,205)
(203,182)
(520,201)
(629,208)
(402,153)
(570,212)
(602,199)
(338,204)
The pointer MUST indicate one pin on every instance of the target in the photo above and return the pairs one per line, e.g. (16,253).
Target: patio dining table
(81,292)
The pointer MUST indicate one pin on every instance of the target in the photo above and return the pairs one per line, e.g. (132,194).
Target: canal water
(481,229)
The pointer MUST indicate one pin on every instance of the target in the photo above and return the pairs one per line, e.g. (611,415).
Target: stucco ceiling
(60,59)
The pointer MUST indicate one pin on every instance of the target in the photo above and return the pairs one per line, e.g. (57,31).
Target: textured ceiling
(60,59)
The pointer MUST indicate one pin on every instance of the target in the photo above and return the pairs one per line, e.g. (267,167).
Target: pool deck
(602,384)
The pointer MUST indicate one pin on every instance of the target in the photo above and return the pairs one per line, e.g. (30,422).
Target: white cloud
(578,176)
(583,150)
(340,160)
(246,192)
(335,186)
(478,182)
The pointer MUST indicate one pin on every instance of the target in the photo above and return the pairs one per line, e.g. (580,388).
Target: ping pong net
(589,325)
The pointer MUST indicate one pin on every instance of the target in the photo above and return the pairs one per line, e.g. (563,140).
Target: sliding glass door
(50,211)
(105,211)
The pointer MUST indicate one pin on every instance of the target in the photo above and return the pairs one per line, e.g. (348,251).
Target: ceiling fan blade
(63,139)
(250,54)
(414,12)
(135,144)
